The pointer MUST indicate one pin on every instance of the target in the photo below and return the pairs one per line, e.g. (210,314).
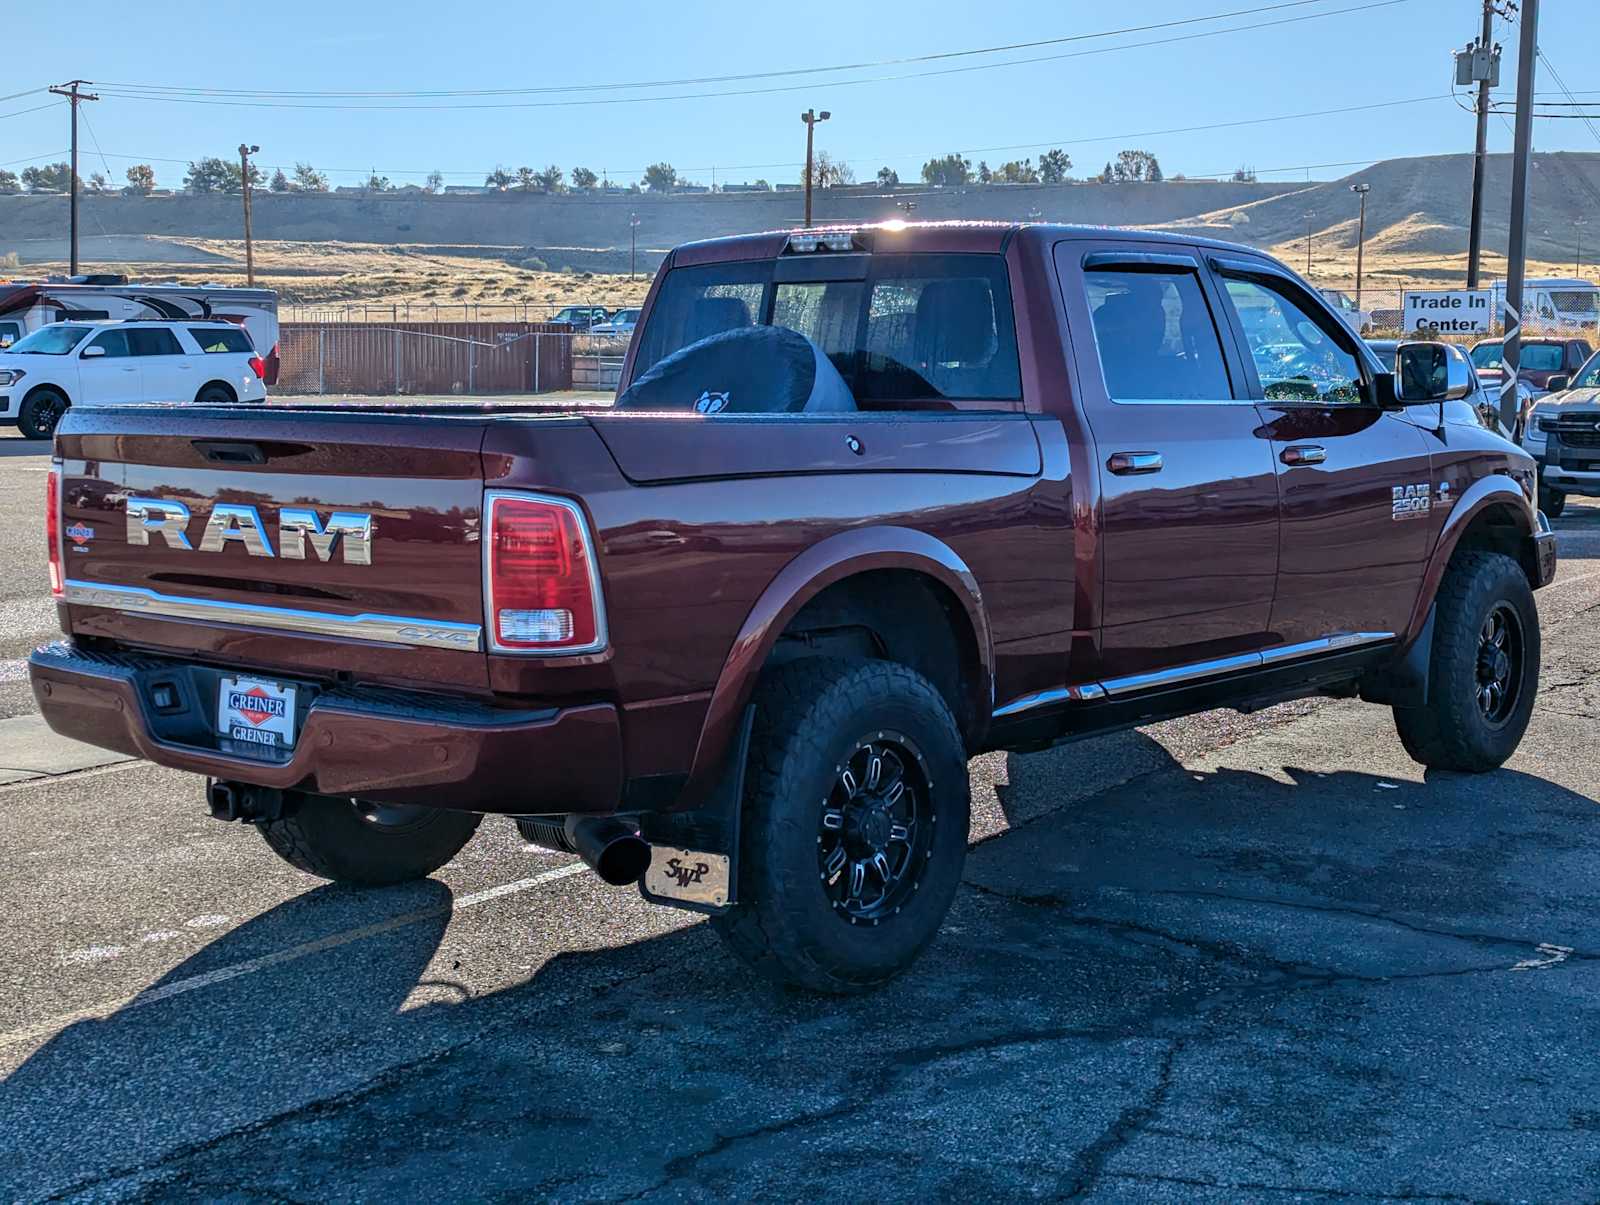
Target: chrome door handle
(1303,454)
(1130,464)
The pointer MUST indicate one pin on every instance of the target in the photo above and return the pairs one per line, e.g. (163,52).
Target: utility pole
(1481,64)
(249,249)
(1308,244)
(633,245)
(1577,251)
(811,117)
(71,90)
(1516,266)
(1360,190)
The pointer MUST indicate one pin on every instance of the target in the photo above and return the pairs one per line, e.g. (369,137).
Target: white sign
(1447,311)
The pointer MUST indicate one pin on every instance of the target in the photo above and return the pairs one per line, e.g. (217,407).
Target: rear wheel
(855,825)
(41,412)
(367,844)
(215,395)
(1485,668)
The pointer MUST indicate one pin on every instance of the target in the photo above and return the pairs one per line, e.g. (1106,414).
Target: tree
(826,172)
(661,177)
(1135,166)
(1054,166)
(50,177)
(434,182)
(1107,176)
(499,179)
(527,178)
(888,177)
(309,179)
(377,183)
(584,179)
(1017,173)
(985,176)
(211,175)
(280,182)
(1244,175)
(9,183)
(761,186)
(551,178)
(950,169)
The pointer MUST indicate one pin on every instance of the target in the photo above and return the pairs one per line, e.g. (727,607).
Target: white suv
(68,363)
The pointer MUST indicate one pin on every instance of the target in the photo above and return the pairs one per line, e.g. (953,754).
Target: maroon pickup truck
(1007,486)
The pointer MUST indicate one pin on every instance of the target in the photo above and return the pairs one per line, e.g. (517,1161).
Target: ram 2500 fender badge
(231,523)
(1412,501)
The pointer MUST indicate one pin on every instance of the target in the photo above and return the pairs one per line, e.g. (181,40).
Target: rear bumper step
(387,746)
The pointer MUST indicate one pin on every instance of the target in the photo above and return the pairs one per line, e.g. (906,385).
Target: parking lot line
(50,1026)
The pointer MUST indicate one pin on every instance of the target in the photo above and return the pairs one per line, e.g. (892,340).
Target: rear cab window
(906,331)
(215,339)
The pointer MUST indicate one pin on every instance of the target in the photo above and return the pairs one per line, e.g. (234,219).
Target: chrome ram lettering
(230,521)
(169,520)
(349,532)
(298,525)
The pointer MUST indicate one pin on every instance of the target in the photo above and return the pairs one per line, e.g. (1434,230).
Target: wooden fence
(465,358)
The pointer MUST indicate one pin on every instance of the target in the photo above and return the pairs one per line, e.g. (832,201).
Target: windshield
(918,327)
(1589,375)
(56,340)
(1540,357)
(1486,355)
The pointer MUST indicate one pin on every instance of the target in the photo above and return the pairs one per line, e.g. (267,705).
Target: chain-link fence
(406,312)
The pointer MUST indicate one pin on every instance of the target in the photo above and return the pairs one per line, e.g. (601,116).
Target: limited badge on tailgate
(254,711)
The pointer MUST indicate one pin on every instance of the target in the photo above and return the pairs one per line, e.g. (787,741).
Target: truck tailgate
(319,541)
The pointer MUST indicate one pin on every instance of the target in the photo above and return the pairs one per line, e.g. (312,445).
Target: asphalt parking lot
(1227,958)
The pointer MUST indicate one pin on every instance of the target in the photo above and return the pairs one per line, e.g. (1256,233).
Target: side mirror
(1557,383)
(90,352)
(1426,374)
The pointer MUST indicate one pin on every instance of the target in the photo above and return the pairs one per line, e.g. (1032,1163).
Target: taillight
(52,527)
(543,587)
(259,367)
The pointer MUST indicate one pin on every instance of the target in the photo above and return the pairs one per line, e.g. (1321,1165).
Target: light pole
(633,244)
(1577,251)
(1308,244)
(811,117)
(1361,190)
(244,176)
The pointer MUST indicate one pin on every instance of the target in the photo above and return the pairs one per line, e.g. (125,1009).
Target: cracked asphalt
(1227,958)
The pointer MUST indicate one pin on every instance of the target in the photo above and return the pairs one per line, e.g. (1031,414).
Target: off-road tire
(1452,732)
(331,839)
(810,715)
(41,413)
(215,395)
(1552,502)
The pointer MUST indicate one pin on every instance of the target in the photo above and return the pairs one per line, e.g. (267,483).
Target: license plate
(254,711)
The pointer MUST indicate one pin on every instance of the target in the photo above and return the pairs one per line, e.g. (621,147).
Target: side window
(115,343)
(154,341)
(10,332)
(1295,356)
(1156,336)
(221,339)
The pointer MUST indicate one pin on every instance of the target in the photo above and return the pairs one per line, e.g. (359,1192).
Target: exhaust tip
(623,861)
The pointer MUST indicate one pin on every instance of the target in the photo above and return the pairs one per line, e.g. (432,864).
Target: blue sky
(1092,104)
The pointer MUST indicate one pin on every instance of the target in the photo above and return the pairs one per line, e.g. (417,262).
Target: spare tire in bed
(749,370)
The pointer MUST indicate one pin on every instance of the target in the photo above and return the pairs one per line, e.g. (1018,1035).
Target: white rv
(1552,303)
(27,305)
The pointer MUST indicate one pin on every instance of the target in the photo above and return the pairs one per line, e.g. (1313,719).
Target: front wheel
(41,412)
(1484,672)
(855,825)
(367,844)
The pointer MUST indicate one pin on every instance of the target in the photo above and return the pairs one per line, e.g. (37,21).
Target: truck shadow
(1076,958)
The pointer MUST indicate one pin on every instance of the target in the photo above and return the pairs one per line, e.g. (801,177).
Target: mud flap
(694,856)
(1405,683)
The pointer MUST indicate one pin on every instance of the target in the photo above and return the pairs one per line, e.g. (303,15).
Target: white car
(619,326)
(90,363)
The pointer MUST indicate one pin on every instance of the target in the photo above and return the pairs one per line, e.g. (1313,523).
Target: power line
(632,100)
(713,79)
(36,109)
